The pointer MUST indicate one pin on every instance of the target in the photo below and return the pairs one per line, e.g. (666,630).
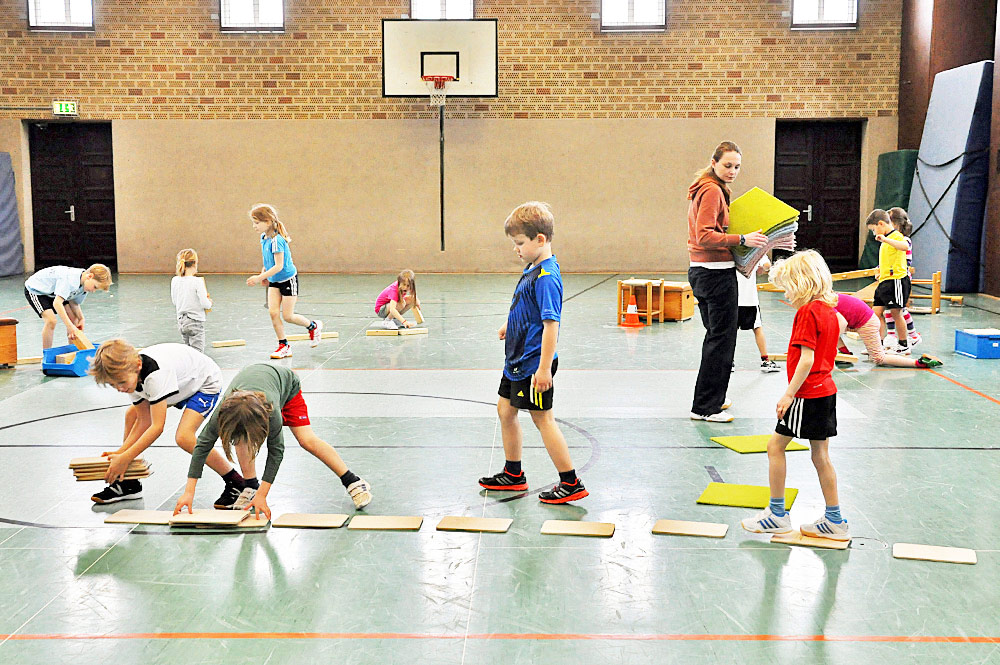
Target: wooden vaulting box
(8,341)
(678,301)
(656,299)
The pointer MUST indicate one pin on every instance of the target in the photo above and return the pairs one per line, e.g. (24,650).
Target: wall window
(252,15)
(438,9)
(824,14)
(61,14)
(634,15)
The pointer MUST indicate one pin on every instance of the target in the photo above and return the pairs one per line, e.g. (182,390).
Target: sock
(908,320)
(844,349)
(311,326)
(890,324)
(568,477)
(833,514)
(512,468)
(763,358)
(251,483)
(778,506)
(233,477)
(283,341)
(349,477)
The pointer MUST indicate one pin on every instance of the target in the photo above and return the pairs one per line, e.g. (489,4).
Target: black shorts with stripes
(892,293)
(290,287)
(523,396)
(39,303)
(814,419)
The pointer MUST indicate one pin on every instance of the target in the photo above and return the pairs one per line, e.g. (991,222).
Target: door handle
(72,213)
(809,213)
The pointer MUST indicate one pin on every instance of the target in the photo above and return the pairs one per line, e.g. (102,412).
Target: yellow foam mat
(577,528)
(743,496)
(796,538)
(934,553)
(755,443)
(310,521)
(386,523)
(476,524)
(758,211)
(681,528)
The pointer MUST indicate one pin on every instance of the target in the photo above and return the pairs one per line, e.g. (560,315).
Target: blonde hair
(407,277)
(112,362)
(805,277)
(263,212)
(901,221)
(709,171)
(530,219)
(244,417)
(186,258)
(100,274)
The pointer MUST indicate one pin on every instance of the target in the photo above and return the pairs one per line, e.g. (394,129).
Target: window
(633,15)
(61,14)
(439,9)
(824,14)
(252,15)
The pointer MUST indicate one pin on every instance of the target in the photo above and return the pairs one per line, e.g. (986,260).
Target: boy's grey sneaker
(120,490)
(767,522)
(824,528)
(245,498)
(768,366)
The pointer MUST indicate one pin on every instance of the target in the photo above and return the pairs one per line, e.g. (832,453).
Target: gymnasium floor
(917,458)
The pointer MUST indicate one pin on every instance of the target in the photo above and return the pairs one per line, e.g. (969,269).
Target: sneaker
(899,350)
(824,528)
(719,417)
(361,493)
(283,351)
(564,493)
(315,334)
(120,490)
(229,496)
(244,499)
(733,368)
(915,339)
(928,362)
(505,482)
(890,341)
(390,324)
(769,366)
(728,403)
(767,522)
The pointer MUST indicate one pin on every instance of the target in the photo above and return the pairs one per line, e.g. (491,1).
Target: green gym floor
(918,458)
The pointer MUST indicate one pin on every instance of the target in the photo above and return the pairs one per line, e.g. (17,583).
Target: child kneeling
(261,399)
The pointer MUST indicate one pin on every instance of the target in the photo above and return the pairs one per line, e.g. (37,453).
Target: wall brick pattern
(167,59)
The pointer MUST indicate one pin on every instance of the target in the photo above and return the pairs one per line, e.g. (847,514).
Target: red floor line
(16,309)
(922,639)
(962,385)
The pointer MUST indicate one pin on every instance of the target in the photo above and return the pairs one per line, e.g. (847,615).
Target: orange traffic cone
(631,315)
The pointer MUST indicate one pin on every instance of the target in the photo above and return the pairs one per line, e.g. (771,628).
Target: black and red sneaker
(564,492)
(505,481)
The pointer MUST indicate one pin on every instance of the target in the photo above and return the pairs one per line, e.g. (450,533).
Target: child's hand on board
(259,504)
(407,324)
(185,500)
(117,468)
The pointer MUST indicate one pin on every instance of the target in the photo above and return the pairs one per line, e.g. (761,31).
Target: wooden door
(73,194)
(817,169)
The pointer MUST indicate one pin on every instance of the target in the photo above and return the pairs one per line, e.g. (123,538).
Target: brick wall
(166,59)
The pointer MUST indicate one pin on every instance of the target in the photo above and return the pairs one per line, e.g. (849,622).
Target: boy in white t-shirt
(749,313)
(162,375)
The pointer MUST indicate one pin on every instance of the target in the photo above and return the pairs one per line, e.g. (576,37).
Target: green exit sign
(66,108)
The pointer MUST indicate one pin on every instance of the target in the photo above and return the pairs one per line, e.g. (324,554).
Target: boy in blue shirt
(56,293)
(530,336)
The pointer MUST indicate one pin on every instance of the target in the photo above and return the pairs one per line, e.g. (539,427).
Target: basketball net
(437,88)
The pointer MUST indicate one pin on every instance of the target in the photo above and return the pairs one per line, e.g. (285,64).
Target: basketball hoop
(438,91)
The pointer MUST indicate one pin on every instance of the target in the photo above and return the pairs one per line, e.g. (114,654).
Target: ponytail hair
(407,277)
(901,220)
(263,212)
(185,259)
(709,172)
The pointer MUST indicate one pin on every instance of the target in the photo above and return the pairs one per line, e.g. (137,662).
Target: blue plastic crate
(978,342)
(79,366)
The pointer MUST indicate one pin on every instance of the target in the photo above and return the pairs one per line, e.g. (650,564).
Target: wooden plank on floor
(578,528)
(934,553)
(211,518)
(682,528)
(797,538)
(475,524)
(311,521)
(386,523)
(228,342)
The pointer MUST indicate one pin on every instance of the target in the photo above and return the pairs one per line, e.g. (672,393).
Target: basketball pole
(441,133)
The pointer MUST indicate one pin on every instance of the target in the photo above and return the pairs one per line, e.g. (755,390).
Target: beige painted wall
(879,136)
(14,140)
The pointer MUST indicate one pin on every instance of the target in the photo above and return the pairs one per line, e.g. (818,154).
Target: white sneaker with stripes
(824,528)
(767,522)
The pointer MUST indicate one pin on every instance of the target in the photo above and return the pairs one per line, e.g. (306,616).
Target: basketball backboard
(464,49)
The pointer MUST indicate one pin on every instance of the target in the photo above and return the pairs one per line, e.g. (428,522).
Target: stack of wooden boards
(96,468)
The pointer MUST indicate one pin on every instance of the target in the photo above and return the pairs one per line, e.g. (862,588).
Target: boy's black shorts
(748,317)
(814,419)
(523,396)
(892,293)
(290,287)
(39,303)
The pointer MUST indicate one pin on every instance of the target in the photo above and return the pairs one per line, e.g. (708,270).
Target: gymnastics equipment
(934,553)
(577,528)
(798,538)
(754,443)
(229,342)
(681,528)
(759,211)
(631,315)
(385,523)
(743,496)
(475,524)
(310,521)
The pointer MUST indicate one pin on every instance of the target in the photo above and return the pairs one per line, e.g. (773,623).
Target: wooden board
(381,332)
(205,284)
(211,517)
(577,528)
(78,462)
(251,523)
(302,337)
(128,516)
(228,342)
(310,521)
(101,476)
(867,293)
(681,528)
(81,342)
(418,316)
(413,331)
(840,358)
(475,524)
(66,358)
(385,523)
(934,553)
(797,538)
(29,360)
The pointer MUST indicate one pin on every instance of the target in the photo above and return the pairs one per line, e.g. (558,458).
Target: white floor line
(479,546)
(85,571)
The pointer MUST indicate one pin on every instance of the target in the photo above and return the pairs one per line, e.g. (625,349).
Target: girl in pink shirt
(398,298)
(862,320)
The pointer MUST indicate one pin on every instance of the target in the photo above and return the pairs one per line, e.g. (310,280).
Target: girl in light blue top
(281,277)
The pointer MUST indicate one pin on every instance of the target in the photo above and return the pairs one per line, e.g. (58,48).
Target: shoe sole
(566,499)
(826,536)
(729,420)
(116,499)
(275,357)
(365,502)
(774,533)
(505,488)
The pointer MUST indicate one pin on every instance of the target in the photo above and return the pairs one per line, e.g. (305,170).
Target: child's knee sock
(911,330)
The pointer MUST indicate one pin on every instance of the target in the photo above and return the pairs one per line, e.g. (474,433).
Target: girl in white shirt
(190,297)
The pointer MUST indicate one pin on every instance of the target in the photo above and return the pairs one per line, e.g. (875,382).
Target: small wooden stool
(8,341)
(643,304)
